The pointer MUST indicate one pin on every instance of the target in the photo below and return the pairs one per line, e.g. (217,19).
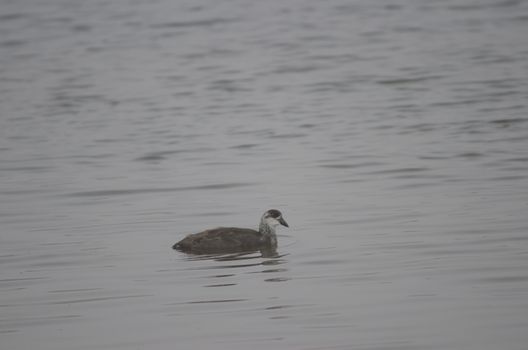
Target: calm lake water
(393,135)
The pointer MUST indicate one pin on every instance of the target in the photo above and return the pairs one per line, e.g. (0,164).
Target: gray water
(393,135)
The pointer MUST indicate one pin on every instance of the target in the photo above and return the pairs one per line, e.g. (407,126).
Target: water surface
(392,135)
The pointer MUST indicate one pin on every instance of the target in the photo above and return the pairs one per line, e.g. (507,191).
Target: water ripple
(102,193)
(90,300)
(210,22)
(215,301)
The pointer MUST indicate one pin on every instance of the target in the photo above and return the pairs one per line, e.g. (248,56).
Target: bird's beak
(283,222)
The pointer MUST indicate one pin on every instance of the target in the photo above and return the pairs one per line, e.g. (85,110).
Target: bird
(234,239)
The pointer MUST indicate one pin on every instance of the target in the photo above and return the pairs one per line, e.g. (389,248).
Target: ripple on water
(245,146)
(98,299)
(406,173)
(210,22)
(352,165)
(215,301)
(101,193)
(235,263)
(20,323)
(155,156)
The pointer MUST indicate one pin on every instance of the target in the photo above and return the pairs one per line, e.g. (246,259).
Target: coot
(234,239)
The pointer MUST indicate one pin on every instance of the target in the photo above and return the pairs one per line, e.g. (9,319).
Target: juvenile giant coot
(234,239)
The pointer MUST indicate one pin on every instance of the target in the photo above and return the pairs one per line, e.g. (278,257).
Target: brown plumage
(234,239)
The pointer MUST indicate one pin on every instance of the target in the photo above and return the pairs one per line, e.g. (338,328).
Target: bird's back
(222,239)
